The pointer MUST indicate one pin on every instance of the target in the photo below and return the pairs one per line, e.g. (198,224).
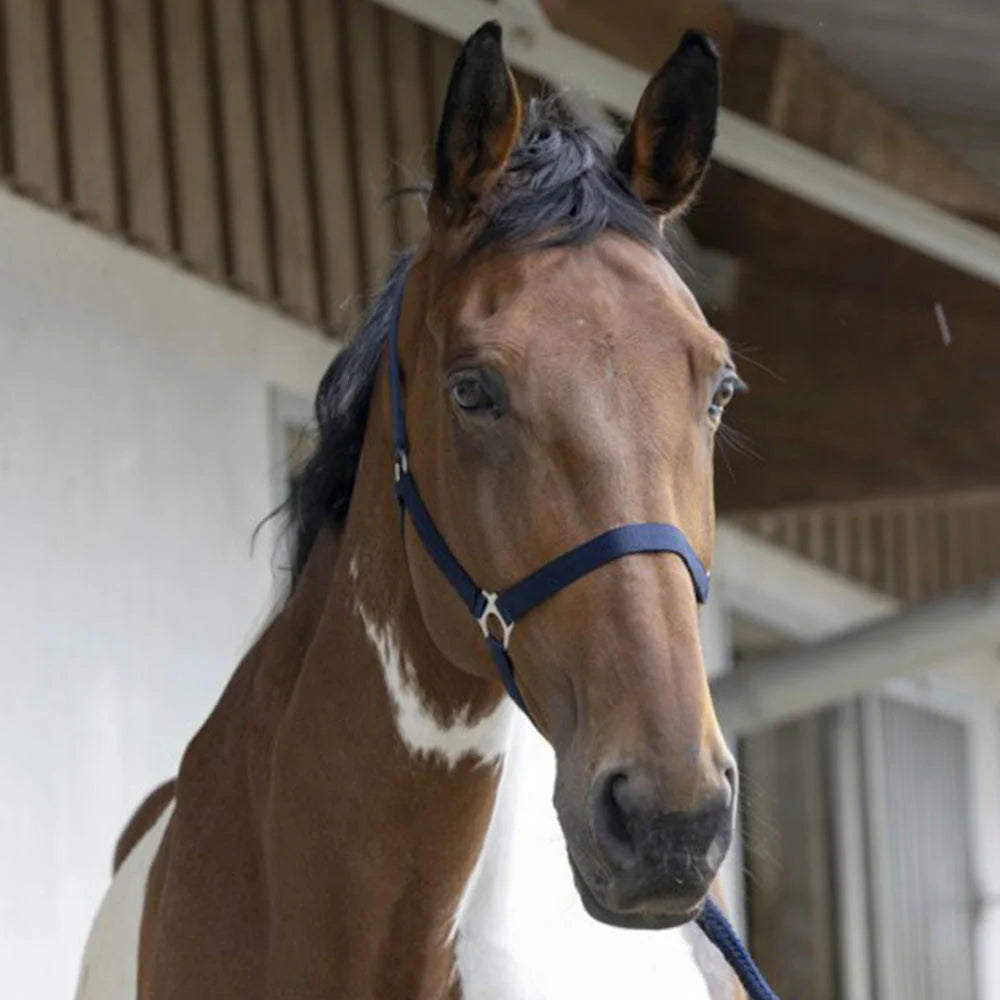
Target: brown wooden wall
(251,141)
(855,393)
(913,547)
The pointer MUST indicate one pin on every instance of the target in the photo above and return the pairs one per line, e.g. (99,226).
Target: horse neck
(388,749)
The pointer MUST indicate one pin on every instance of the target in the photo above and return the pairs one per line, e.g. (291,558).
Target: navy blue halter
(503,609)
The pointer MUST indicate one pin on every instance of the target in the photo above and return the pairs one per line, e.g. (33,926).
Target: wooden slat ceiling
(251,141)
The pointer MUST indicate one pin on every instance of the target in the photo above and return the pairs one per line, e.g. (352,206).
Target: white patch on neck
(522,932)
(423,734)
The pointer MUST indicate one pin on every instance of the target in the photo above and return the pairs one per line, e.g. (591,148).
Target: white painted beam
(531,10)
(787,593)
(761,693)
(742,144)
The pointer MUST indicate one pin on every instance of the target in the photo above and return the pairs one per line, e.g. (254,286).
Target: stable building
(193,217)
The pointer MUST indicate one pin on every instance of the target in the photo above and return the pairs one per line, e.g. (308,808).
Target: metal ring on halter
(492,610)
(400,465)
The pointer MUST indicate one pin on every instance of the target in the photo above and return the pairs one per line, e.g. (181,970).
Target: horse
(365,812)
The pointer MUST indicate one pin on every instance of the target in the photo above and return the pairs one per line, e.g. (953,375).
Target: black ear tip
(489,31)
(697,40)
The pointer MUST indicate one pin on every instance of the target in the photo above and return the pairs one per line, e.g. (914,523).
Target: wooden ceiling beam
(786,82)
(742,144)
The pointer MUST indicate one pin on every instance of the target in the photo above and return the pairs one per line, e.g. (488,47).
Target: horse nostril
(610,820)
(731,779)
(636,832)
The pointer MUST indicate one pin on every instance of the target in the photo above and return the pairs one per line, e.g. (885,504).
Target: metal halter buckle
(491,610)
(400,465)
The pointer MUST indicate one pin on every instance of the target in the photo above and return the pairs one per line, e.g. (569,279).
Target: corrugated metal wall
(251,141)
(920,863)
(912,805)
(790,890)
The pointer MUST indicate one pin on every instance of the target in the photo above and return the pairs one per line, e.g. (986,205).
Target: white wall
(134,465)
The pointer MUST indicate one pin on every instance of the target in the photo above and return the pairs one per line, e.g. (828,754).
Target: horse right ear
(479,126)
(666,152)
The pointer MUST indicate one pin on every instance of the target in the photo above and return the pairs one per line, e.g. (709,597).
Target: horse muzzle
(646,866)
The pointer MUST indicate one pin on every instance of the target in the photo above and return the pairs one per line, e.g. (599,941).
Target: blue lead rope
(496,613)
(720,932)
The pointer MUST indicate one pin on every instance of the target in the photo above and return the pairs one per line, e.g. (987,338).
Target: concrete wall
(135,461)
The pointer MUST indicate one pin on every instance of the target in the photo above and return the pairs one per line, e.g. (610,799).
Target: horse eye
(729,385)
(472,392)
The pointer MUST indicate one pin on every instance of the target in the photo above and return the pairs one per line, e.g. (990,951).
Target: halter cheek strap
(497,612)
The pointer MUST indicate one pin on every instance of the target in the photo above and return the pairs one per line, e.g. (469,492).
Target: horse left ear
(479,126)
(666,151)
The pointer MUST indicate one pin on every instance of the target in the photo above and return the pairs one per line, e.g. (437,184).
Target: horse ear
(479,126)
(666,151)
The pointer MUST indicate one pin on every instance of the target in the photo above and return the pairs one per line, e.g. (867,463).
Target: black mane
(560,188)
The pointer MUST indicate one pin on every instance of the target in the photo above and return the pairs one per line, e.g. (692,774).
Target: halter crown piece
(503,609)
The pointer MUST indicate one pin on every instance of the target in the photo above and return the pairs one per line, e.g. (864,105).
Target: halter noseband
(503,609)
